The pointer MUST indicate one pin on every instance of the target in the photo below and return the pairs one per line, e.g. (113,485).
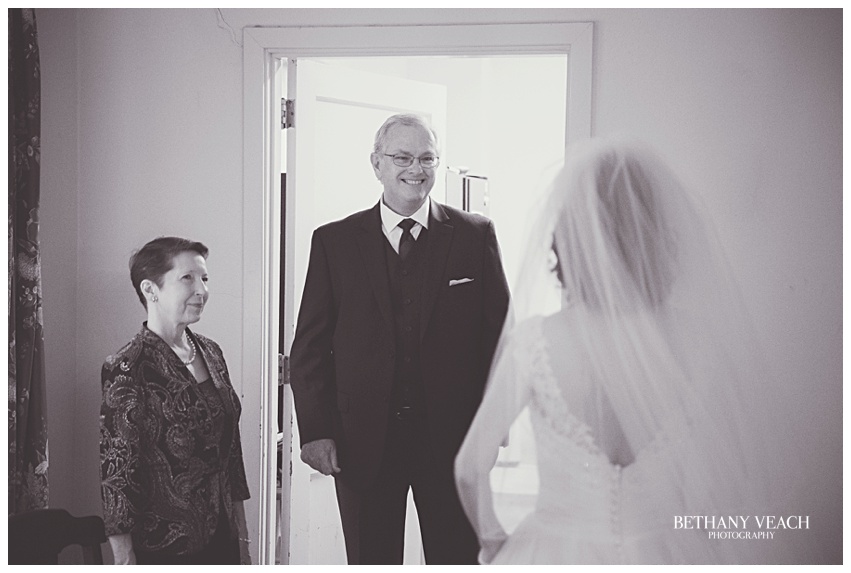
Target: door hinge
(287,113)
(283,370)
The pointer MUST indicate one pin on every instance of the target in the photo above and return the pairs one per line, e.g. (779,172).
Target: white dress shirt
(390,222)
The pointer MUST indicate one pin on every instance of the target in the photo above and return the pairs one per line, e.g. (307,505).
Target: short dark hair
(156,258)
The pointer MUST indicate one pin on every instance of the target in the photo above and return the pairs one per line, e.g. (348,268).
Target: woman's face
(183,293)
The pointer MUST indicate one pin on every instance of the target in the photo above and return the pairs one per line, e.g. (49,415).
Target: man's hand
(321,455)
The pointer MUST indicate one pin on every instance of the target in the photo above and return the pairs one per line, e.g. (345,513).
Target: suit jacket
(343,355)
(171,459)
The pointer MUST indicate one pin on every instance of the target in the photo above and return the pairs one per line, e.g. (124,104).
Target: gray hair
(409,119)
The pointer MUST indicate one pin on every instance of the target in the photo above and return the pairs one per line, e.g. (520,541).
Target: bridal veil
(651,347)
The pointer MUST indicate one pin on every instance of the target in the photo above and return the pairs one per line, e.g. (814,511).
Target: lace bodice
(588,508)
(575,475)
(580,488)
(549,407)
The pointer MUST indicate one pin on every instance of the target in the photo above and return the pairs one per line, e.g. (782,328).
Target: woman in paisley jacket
(173,480)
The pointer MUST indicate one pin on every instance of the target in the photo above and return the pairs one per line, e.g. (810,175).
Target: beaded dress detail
(588,509)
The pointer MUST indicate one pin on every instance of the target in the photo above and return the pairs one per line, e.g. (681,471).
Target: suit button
(407,359)
(407,301)
(408,329)
(404,273)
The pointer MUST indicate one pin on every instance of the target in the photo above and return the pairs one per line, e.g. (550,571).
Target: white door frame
(263,49)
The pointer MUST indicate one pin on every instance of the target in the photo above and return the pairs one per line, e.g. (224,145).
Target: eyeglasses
(427,161)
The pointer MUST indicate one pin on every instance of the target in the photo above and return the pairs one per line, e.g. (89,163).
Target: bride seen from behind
(640,388)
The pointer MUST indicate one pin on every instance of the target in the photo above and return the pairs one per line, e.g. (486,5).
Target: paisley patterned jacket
(167,470)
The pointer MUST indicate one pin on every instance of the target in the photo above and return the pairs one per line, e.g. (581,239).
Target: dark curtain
(27,400)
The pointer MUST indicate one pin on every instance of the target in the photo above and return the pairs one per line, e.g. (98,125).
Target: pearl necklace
(192,353)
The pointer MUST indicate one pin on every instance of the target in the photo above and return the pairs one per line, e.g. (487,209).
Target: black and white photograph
(449,285)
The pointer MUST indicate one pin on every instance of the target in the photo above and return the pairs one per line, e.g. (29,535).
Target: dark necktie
(406,243)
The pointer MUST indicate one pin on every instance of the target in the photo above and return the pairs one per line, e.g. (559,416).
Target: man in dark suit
(402,309)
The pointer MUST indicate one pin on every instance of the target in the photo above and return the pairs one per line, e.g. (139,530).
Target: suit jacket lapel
(439,241)
(371,243)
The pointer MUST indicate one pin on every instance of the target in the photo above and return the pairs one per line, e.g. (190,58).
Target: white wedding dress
(639,376)
(590,509)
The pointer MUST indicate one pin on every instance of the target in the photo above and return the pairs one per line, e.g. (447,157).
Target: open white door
(329,176)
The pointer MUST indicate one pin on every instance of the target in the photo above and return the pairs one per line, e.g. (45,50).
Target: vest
(406,288)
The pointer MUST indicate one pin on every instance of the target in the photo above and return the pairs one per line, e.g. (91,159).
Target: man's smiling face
(405,188)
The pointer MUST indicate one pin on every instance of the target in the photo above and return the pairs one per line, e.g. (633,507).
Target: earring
(154,298)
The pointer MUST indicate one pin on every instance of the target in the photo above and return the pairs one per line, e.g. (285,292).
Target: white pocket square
(454,282)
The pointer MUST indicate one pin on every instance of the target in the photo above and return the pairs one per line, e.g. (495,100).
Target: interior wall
(747,104)
(57,35)
(156,112)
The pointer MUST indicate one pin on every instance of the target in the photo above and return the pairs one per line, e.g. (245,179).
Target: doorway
(460,50)
(340,103)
